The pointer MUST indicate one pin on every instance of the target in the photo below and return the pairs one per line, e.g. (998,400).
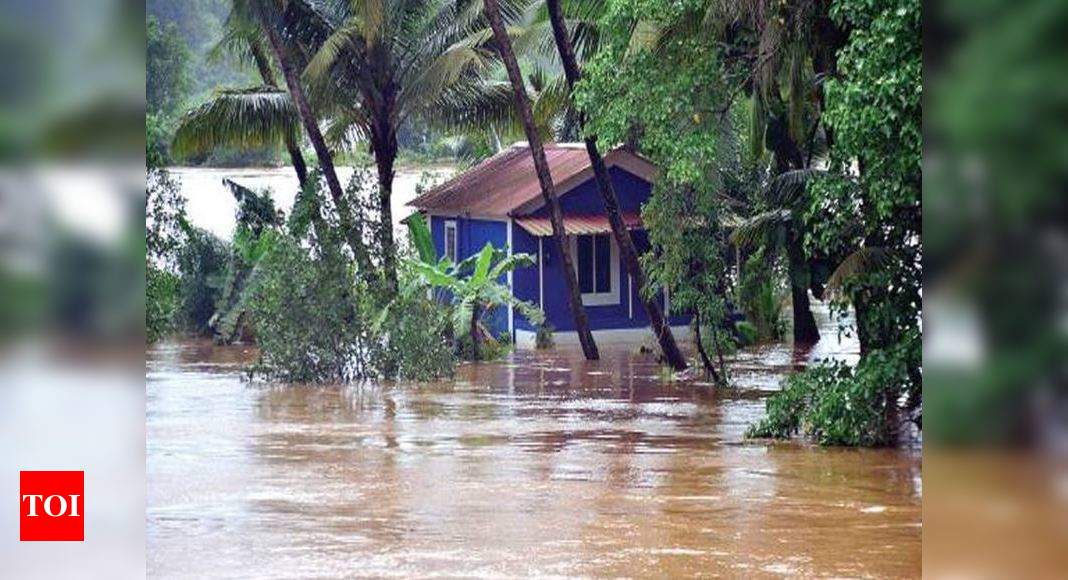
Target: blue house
(499,201)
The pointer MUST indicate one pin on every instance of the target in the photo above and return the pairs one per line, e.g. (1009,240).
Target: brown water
(542,465)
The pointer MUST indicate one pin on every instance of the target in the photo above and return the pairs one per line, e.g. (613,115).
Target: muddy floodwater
(539,465)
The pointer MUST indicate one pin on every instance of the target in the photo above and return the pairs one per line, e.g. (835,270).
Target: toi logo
(51,506)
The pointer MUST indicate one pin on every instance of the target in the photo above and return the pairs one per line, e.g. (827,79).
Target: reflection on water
(543,464)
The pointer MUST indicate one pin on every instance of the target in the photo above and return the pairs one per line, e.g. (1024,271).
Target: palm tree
(611,202)
(380,63)
(541,166)
(779,227)
(265,115)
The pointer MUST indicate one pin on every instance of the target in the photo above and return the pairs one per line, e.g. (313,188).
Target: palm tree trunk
(326,160)
(385,150)
(264,67)
(541,166)
(611,202)
(805,329)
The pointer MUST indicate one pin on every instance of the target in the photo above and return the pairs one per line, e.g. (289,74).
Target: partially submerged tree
(669,100)
(541,167)
(622,236)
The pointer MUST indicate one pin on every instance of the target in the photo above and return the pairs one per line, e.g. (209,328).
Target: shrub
(836,404)
(161,302)
(315,322)
(304,314)
(412,340)
(760,298)
(202,262)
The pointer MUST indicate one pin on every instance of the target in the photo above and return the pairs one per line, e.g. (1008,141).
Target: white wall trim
(630,296)
(511,288)
(525,338)
(541,276)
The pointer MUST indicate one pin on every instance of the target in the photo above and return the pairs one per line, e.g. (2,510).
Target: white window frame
(611,297)
(451,224)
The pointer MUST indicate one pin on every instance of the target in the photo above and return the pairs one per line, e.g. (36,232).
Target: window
(597,267)
(450,241)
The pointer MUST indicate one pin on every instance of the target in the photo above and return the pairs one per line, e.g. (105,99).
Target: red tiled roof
(576,224)
(507,182)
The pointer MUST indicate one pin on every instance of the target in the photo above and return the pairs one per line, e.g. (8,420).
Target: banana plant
(472,285)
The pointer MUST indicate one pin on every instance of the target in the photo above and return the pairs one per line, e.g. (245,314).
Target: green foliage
(202,262)
(656,85)
(835,404)
(315,321)
(414,337)
(167,74)
(747,332)
(874,109)
(305,316)
(257,223)
(474,286)
(165,234)
(760,297)
(420,238)
(249,119)
(162,300)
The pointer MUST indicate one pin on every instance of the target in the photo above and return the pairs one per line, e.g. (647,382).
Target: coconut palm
(541,167)
(611,201)
(380,63)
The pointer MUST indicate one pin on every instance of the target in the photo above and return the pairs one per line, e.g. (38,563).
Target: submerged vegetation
(787,133)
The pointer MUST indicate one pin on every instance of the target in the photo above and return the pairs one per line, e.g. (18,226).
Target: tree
(167,80)
(671,100)
(265,14)
(869,201)
(611,202)
(381,63)
(541,167)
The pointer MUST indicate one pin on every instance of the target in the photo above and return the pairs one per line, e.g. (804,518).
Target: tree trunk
(548,191)
(475,353)
(326,159)
(385,150)
(295,156)
(627,250)
(710,369)
(805,329)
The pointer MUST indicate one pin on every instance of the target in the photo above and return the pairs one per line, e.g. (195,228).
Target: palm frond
(863,261)
(786,188)
(248,118)
(761,228)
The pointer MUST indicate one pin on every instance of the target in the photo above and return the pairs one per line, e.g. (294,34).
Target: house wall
(586,199)
(471,235)
(631,190)
(551,296)
(628,313)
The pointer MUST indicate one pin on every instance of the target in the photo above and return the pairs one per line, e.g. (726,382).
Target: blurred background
(995,289)
(72,281)
(72,147)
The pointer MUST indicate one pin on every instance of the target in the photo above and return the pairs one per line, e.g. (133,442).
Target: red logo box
(51,506)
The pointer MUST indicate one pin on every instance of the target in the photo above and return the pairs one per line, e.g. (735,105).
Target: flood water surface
(540,465)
